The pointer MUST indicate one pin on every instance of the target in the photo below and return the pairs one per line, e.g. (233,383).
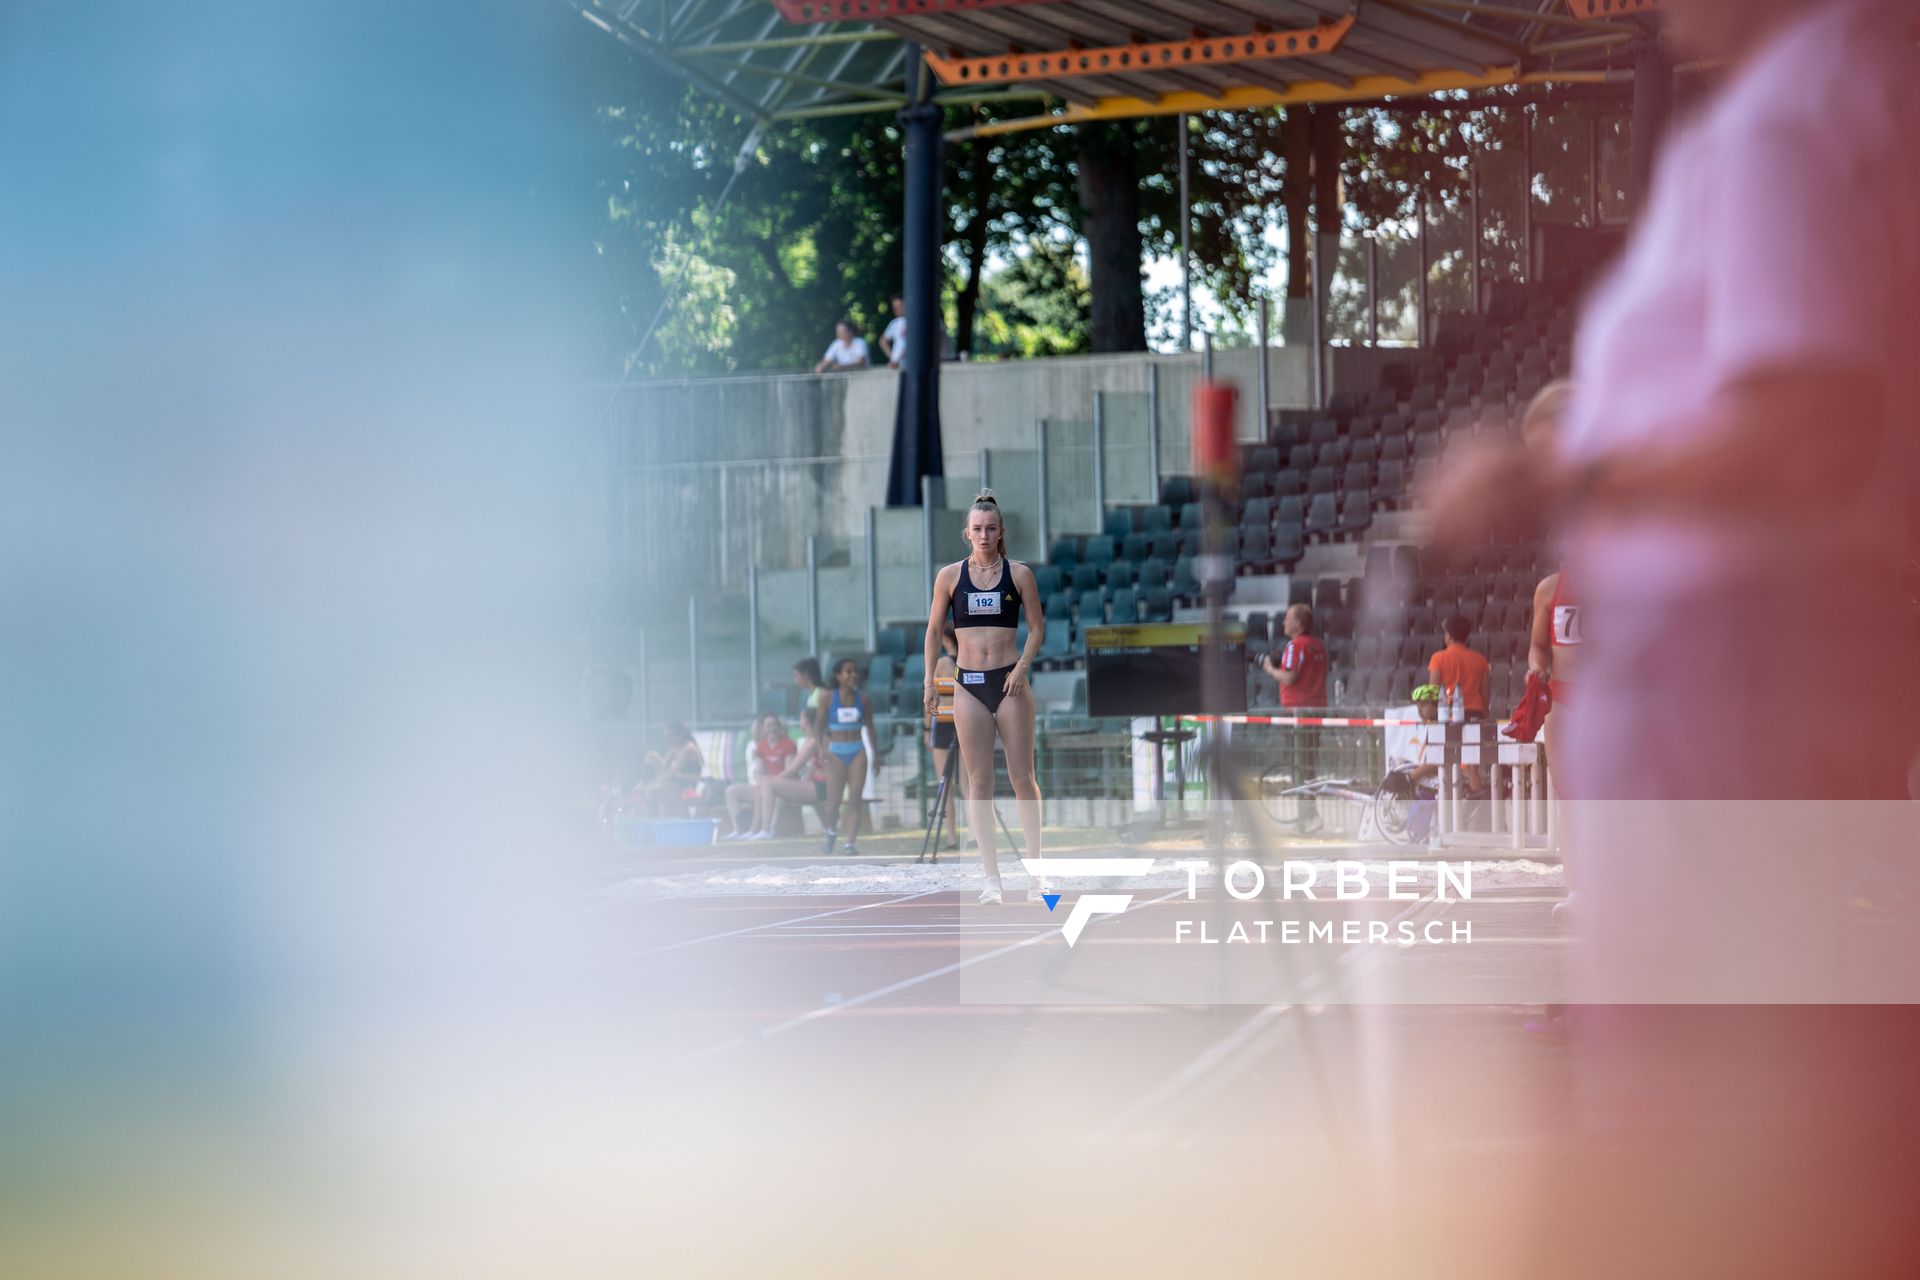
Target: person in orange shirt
(1464,677)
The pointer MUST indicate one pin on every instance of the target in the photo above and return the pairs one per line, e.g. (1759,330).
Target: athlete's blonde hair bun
(985,495)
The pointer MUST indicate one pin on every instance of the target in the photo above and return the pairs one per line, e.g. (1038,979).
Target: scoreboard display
(1155,669)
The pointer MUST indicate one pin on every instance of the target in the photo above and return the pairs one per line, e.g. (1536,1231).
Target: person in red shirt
(1465,677)
(1302,668)
(1462,674)
(1302,674)
(767,758)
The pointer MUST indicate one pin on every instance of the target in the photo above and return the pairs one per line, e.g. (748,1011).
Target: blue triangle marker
(1051,899)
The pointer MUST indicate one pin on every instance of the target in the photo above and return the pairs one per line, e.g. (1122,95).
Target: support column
(916,419)
(1260,374)
(1526,195)
(1186,250)
(1099,461)
(1652,107)
(753,632)
(1153,431)
(1426,264)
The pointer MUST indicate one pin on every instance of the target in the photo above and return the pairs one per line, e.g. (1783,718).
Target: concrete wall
(726,472)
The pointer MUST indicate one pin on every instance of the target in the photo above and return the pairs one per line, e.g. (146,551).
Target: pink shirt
(1783,229)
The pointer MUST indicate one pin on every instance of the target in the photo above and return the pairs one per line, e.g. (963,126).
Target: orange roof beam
(1590,9)
(809,11)
(1124,59)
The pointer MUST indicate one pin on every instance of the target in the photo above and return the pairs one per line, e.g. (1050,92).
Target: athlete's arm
(1023,582)
(943,583)
(1540,646)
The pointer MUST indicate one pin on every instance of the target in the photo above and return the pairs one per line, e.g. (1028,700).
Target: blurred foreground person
(1733,477)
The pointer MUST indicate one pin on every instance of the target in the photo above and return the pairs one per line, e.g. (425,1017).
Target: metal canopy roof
(1109,59)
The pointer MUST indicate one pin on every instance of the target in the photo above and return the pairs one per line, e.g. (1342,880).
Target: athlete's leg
(784,791)
(1015,721)
(975,727)
(836,787)
(741,795)
(856,802)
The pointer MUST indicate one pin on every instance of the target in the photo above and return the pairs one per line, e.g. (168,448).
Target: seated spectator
(1411,760)
(847,351)
(671,778)
(803,781)
(767,757)
(893,343)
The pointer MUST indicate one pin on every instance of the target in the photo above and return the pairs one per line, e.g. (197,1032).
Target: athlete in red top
(1558,630)
(1302,669)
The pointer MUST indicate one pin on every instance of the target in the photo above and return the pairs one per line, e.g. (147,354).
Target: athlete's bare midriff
(987,648)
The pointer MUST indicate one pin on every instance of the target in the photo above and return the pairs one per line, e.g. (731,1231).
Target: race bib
(1567,628)
(983,602)
(847,715)
(973,677)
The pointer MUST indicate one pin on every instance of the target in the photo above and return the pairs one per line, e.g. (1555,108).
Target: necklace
(980,571)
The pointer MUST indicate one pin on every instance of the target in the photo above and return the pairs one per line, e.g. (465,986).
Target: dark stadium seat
(1290,511)
(1164,546)
(1191,514)
(1176,491)
(1085,577)
(1059,607)
(1394,448)
(1156,605)
(1323,430)
(1300,458)
(1156,520)
(1134,549)
(1322,515)
(1356,512)
(1125,606)
(1322,480)
(1066,551)
(1184,583)
(1099,550)
(1154,571)
(1283,436)
(1358,475)
(1263,458)
(1332,454)
(1119,523)
(1256,546)
(1090,608)
(1257,484)
(1289,484)
(1257,631)
(1057,644)
(1049,578)
(1257,511)
(1121,574)
(1390,487)
(1289,544)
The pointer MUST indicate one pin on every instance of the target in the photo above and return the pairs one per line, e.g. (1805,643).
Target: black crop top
(997,608)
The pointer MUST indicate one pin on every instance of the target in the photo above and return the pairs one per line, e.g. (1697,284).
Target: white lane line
(1222,1050)
(775,924)
(814,1015)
